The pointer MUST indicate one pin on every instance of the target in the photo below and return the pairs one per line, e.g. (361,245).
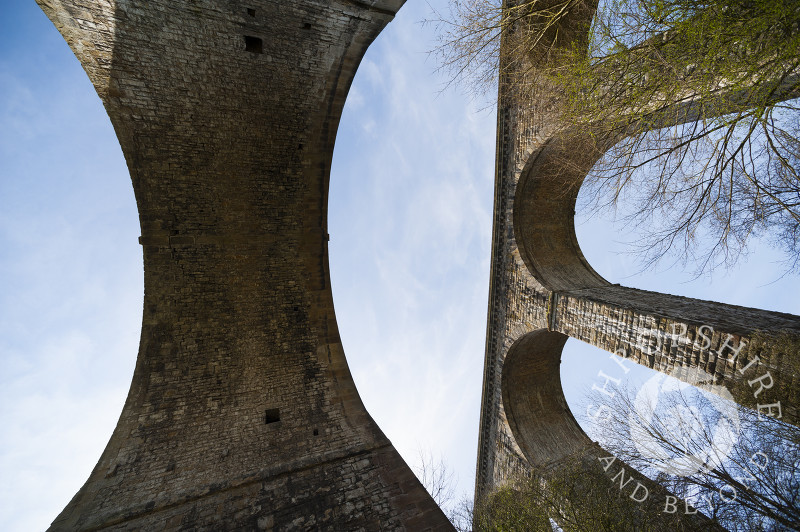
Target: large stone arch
(534,401)
(242,412)
(550,439)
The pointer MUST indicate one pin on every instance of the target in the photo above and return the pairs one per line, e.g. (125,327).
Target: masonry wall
(517,301)
(242,413)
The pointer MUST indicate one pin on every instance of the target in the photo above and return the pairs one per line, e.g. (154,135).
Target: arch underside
(585,306)
(242,412)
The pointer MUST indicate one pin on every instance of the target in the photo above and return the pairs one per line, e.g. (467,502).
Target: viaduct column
(242,413)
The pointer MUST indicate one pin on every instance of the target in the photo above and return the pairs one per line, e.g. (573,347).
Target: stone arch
(543,425)
(549,436)
(544,213)
(657,330)
(637,324)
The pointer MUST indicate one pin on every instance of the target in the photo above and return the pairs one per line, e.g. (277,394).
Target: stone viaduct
(242,410)
(543,291)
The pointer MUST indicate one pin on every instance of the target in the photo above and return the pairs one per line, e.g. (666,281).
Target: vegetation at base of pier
(575,496)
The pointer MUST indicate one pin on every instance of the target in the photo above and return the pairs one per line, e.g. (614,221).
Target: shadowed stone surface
(242,413)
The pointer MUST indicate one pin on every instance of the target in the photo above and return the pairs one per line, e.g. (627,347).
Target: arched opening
(534,403)
(409,206)
(757,280)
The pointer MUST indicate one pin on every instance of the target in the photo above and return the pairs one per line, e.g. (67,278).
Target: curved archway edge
(534,401)
(558,449)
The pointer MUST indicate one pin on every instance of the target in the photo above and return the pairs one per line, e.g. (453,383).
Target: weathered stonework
(242,414)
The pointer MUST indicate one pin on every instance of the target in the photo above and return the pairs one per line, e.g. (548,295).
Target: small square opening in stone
(251,12)
(253,44)
(272,415)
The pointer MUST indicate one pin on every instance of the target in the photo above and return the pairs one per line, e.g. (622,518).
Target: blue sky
(410,222)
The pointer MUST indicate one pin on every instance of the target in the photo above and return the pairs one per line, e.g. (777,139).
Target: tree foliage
(576,495)
(697,98)
(748,479)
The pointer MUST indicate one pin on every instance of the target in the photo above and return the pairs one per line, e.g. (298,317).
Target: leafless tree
(728,461)
(437,478)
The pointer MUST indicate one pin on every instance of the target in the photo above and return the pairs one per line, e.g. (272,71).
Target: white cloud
(71,300)
(415,252)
